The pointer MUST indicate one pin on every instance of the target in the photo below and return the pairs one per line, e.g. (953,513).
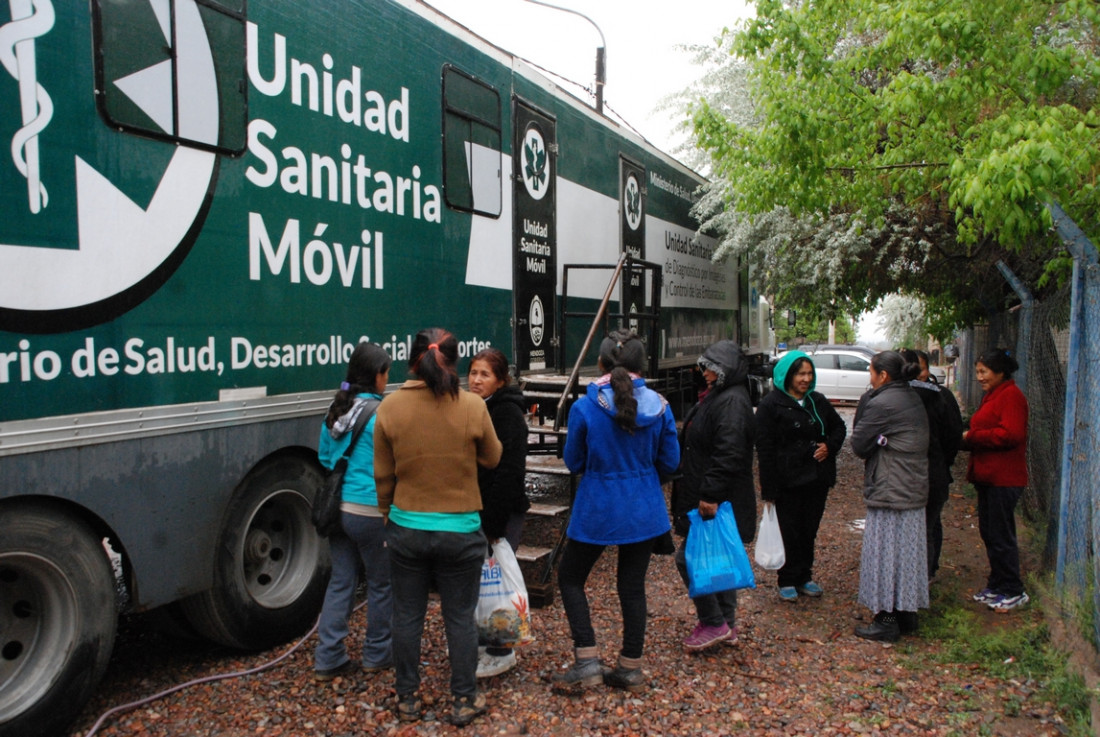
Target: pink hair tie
(432,346)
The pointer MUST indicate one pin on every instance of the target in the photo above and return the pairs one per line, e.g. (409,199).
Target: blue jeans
(711,609)
(576,564)
(453,561)
(363,540)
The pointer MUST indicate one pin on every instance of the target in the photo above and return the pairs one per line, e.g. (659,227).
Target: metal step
(530,554)
(547,510)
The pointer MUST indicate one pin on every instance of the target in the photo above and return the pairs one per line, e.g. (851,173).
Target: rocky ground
(797,668)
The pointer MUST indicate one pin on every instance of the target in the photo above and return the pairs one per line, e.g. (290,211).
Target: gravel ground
(797,668)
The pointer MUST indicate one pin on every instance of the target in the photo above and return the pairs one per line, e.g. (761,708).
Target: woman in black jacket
(798,434)
(715,467)
(504,500)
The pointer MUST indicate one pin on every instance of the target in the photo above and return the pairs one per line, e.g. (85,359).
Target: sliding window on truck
(174,71)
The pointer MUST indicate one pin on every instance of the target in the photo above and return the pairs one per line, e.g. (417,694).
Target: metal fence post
(1027,309)
(1077,493)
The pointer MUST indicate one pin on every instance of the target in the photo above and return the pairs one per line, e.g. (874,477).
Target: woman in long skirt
(890,433)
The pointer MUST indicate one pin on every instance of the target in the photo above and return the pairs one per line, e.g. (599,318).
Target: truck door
(534,237)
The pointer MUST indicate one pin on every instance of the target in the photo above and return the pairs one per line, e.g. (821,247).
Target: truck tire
(58,615)
(271,566)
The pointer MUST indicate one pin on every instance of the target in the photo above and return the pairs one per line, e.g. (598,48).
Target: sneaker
(704,636)
(346,668)
(732,639)
(788,593)
(1004,603)
(467,709)
(494,665)
(408,708)
(810,589)
(985,595)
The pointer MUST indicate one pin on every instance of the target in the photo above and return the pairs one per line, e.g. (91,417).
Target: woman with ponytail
(429,439)
(890,434)
(361,538)
(621,437)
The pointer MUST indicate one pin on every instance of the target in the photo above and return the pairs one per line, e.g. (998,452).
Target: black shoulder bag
(326,502)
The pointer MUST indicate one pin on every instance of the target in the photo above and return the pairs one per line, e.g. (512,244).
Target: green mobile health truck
(205,207)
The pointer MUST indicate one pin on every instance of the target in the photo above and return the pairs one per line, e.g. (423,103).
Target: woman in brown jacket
(429,438)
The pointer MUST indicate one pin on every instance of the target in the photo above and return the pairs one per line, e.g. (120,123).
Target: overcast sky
(641,40)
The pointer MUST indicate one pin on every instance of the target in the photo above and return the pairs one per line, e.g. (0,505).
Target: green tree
(904,147)
(809,329)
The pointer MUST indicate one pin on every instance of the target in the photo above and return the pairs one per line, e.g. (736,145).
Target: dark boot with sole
(907,622)
(627,675)
(884,628)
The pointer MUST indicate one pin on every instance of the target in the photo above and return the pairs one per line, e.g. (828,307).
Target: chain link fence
(1057,343)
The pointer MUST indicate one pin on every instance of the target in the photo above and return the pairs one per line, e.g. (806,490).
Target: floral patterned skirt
(893,569)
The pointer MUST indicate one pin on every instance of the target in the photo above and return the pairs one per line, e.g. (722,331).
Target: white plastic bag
(769,543)
(503,613)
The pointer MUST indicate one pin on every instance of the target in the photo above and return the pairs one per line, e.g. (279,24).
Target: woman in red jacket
(997,441)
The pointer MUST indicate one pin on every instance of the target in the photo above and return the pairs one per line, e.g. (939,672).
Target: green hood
(779,374)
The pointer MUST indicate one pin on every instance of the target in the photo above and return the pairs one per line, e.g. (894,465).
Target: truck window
(176,75)
(471,144)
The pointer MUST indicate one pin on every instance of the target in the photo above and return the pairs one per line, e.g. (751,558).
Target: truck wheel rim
(279,550)
(37,611)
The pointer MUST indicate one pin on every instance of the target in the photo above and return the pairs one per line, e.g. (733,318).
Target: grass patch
(1018,652)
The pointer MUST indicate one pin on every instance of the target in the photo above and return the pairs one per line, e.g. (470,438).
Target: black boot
(884,628)
(907,622)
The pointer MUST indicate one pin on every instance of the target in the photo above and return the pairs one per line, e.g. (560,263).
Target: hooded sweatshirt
(788,431)
(358,486)
(619,498)
(716,444)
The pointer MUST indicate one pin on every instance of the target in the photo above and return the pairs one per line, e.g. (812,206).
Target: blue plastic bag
(716,557)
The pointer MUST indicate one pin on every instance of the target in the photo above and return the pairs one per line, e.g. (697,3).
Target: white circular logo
(536,164)
(632,202)
(125,249)
(537,320)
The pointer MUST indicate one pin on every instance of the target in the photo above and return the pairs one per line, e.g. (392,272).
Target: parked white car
(842,373)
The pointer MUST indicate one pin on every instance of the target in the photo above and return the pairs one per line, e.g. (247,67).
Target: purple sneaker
(732,639)
(704,636)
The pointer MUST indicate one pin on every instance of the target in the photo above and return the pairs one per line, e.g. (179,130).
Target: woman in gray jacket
(890,433)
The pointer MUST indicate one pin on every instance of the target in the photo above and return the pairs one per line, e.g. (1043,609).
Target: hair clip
(344,386)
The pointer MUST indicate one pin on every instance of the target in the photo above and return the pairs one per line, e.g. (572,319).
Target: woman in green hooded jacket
(798,434)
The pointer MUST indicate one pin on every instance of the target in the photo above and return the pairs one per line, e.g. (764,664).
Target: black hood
(726,360)
(510,393)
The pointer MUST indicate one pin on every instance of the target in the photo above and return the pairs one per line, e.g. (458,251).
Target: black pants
(799,511)
(997,525)
(577,562)
(933,525)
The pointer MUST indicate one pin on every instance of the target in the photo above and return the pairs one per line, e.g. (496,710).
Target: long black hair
(896,366)
(622,353)
(432,359)
(367,362)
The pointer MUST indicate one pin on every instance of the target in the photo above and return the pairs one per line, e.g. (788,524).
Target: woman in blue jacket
(622,437)
(361,539)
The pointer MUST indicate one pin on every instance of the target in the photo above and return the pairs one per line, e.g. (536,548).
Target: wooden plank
(530,554)
(547,510)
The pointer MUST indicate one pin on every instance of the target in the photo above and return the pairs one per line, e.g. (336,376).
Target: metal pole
(1027,308)
(601,51)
